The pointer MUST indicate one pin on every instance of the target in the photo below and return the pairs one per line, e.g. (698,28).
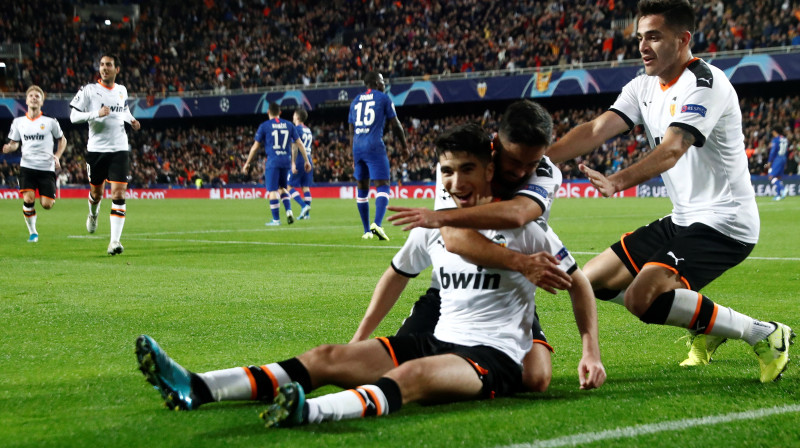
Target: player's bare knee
(320,358)
(536,381)
(637,301)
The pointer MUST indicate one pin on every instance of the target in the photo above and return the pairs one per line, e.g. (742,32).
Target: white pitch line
(673,425)
(257,243)
(265,243)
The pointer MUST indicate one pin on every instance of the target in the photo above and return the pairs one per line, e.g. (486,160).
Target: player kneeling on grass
(475,351)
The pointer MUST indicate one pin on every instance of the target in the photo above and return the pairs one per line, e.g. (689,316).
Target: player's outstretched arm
(386,293)
(663,157)
(586,137)
(510,214)
(541,268)
(591,373)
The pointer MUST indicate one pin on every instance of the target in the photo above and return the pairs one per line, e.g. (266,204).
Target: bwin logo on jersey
(38,137)
(116,108)
(462,280)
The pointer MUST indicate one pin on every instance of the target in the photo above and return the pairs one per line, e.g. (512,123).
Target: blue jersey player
(300,178)
(777,161)
(277,136)
(368,115)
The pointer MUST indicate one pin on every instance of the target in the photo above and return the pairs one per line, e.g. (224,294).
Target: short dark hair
(778,128)
(301,114)
(371,79)
(274,108)
(678,14)
(470,138)
(527,123)
(112,56)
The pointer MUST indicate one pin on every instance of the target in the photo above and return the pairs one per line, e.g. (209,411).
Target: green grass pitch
(217,289)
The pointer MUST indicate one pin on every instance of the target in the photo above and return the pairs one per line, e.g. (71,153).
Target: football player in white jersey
(691,115)
(37,134)
(528,182)
(475,351)
(104,106)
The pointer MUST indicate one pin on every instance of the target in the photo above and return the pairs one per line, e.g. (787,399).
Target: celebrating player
(693,121)
(368,115)
(475,351)
(37,134)
(104,106)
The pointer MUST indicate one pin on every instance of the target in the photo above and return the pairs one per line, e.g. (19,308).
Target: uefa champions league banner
(572,189)
(546,83)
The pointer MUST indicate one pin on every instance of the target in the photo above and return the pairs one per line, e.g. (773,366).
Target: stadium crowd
(228,45)
(180,155)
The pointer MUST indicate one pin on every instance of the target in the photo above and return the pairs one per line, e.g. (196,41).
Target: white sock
(349,404)
(229,384)
(93,207)
(758,331)
(30,218)
(117,220)
(238,384)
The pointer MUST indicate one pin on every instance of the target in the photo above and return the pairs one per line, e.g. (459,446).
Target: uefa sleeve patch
(562,254)
(693,109)
(536,189)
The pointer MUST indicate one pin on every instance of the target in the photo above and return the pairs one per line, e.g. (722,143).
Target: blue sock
(287,204)
(275,206)
(362,202)
(307,197)
(381,202)
(779,187)
(296,196)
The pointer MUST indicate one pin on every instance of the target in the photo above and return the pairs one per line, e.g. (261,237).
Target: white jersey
(480,306)
(710,184)
(38,139)
(106,134)
(541,187)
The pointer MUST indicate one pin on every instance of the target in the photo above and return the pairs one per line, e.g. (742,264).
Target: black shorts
(111,166)
(697,253)
(32,180)
(425,314)
(500,375)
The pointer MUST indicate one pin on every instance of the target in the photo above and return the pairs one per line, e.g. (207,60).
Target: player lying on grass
(475,351)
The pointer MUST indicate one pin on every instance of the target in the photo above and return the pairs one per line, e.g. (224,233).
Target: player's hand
(600,182)
(414,217)
(135,124)
(307,166)
(58,162)
(294,168)
(244,167)
(105,110)
(542,270)
(591,373)
(7,148)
